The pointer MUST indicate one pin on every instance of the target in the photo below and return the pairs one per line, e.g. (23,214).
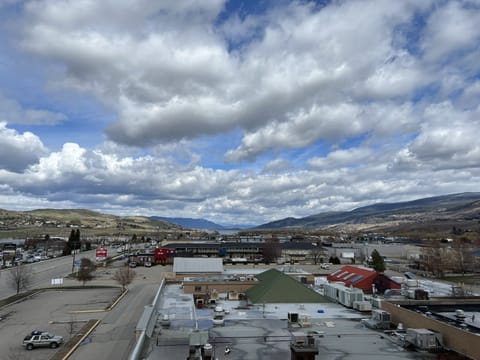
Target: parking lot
(48,311)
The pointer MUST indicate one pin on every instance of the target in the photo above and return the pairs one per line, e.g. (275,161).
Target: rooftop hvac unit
(380,315)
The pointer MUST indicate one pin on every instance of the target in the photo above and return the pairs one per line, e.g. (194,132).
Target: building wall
(191,287)
(454,338)
(182,276)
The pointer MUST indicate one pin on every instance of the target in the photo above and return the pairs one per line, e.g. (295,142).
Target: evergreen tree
(77,239)
(378,263)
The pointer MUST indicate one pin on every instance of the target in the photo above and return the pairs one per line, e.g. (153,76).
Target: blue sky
(237,112)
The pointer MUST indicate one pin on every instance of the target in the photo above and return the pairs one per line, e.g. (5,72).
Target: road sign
(101,254)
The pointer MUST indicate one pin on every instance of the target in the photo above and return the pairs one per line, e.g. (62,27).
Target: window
(198,288)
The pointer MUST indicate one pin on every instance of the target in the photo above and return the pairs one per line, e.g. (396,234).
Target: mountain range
(440,211)
(431,215)
(191,223)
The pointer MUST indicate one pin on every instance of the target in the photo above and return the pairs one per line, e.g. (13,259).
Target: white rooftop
(197,265)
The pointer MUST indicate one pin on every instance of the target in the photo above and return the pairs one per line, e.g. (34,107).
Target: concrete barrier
(146,324)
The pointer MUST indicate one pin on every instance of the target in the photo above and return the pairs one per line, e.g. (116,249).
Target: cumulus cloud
(171,77)
(345,104)
(452,27)
(18,150)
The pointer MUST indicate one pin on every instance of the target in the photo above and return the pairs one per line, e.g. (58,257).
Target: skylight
(356,278)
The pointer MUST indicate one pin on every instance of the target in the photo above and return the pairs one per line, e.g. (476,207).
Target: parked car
(147,264)
(325,266)
(41,339)
(132,264)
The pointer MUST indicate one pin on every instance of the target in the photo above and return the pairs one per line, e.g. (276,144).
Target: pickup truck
(42,339)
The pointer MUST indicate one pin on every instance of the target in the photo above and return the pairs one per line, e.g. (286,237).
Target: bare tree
(124,276)
(435,258)
(272,250)
(85,273)
(20,278)
(317,253)
(462,256)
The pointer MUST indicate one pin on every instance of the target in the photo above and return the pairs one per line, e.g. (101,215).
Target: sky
(239,112)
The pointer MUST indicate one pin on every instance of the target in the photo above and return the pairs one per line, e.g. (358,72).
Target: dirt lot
(48,311)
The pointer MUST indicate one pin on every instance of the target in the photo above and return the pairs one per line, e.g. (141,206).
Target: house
(363,278)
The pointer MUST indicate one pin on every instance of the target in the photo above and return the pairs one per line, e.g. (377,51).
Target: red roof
(362,278)
(358,277)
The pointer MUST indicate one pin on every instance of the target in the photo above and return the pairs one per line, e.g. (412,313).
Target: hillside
(418,215)
(60,221)
(190,223)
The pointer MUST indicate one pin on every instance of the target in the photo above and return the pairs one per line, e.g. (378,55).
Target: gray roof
(197,265)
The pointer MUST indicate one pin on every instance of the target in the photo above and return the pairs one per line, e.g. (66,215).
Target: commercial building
(363,278)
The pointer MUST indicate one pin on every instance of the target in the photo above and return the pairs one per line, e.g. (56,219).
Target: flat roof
(197,265)
(262,332)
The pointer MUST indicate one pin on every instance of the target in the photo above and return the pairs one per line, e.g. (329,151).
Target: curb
(92,325)
(109,308)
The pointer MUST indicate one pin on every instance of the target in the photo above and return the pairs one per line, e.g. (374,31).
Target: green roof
(277,287)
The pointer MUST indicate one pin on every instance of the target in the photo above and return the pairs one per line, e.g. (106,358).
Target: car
(325,266)
(39,338)
(132,264)
(147,264)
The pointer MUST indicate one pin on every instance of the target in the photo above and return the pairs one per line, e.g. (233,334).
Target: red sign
(101,254)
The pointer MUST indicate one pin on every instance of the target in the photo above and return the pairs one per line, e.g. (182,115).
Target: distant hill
(53,221)
(447,209)
(190,223)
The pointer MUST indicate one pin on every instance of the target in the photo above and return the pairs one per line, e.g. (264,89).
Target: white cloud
(18,150)
(452,27)
(171,77)
(342,158)
(449,139)
(375,113)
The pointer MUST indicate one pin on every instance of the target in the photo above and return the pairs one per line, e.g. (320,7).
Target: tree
(20,278)
(378,263)
(124,276)
(316,254)
(435,257)
(334,260)
(271,250)
(85,272)
(461,255)
(67,249)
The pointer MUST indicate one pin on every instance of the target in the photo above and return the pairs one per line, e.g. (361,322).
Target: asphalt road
(47,311)
(43,272)
(113,338)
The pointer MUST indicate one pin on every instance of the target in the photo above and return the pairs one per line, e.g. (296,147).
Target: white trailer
(346,296)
